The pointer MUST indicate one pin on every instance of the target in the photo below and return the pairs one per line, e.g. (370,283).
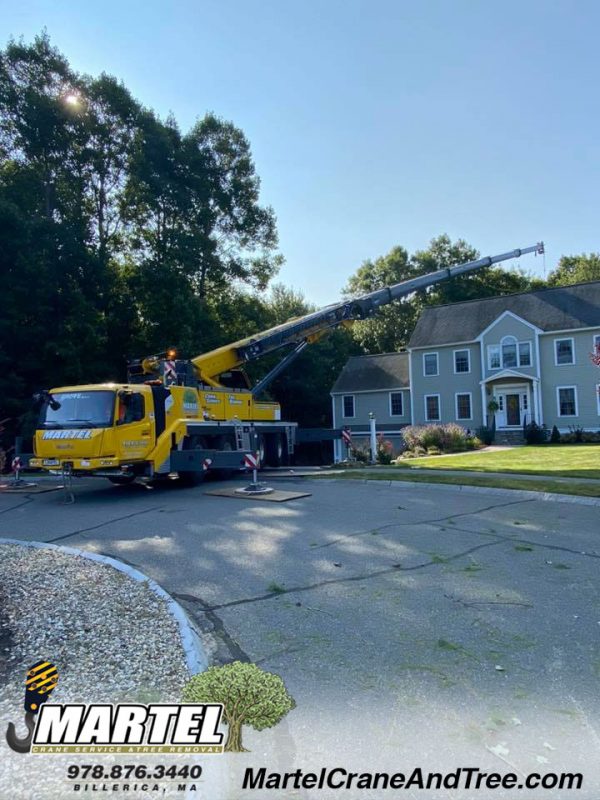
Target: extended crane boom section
(315,323)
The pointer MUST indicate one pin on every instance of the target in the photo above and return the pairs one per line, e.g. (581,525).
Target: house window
(564,351)
(430,364)
(348,401)
(463,406)
(432,407)
(524,354)
(462,361)
(596,344)
(494,358)
(509,352)
(396,405)
(567,401)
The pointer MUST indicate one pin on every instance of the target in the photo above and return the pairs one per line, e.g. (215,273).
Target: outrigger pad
(30,488)
(276,496)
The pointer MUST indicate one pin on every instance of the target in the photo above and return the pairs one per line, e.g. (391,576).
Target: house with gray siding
(519,358)
(376,385)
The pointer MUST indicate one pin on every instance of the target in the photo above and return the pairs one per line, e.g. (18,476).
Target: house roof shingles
(556,309)
(373,373)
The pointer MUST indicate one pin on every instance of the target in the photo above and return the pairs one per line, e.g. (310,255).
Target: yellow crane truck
(192,416)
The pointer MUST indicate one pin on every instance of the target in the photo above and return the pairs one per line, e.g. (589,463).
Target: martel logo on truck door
(67,434)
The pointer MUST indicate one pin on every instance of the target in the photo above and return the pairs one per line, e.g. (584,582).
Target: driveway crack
(351,579)
(102,524)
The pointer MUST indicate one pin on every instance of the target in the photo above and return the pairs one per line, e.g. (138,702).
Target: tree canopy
(121,234)
(575,269)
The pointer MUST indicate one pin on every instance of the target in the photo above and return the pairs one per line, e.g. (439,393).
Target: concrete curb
(195,655)
(550,497)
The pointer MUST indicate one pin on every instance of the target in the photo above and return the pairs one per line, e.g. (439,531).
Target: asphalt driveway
(413,626)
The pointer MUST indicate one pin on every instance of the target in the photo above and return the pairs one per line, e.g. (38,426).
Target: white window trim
(518,344)
(390,403)
(437,364)
(509,339)
(461,350)
(439,418)
(594,342)
(598,397)
(344,396)
(489,357)
(456,396)
(570,363)
(567,416)
(530,343)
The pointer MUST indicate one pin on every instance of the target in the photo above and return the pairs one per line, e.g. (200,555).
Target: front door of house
(513,412)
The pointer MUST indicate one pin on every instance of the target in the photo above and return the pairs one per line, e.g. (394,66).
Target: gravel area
(111,638)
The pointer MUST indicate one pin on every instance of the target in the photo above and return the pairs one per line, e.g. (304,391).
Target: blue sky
(372,123)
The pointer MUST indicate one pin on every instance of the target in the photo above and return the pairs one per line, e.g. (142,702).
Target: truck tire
(261,449)
(274,450)
(192,478)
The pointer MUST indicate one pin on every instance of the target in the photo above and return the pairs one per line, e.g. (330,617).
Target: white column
(373,431)
(483,405)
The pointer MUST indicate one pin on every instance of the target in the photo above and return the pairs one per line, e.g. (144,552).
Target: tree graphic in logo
(250,696)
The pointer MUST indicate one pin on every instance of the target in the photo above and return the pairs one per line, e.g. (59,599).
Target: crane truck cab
(153,429)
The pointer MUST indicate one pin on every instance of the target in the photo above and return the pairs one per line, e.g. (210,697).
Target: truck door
(134,426)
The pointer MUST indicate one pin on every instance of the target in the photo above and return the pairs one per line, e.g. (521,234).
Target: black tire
(261,448)
(122,480)
(274,450)
(189,479)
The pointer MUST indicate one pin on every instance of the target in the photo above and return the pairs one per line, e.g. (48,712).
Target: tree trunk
(234,738)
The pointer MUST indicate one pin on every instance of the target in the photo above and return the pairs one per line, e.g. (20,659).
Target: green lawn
(559,461)
(541,484)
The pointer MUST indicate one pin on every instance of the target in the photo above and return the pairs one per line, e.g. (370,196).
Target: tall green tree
(390,329)
(121,234)
(575,269)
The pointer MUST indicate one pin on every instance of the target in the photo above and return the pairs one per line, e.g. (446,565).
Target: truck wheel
(192,478)
(275,450)
(261,449)
(122,480)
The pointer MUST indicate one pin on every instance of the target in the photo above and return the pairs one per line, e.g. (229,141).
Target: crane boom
(311,326)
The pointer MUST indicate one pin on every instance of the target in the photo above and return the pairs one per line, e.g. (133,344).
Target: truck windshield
(94,409)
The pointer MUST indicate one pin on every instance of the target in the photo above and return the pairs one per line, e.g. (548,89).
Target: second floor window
(564,351)
(462,361)
(430,364)
(348,401)
(509,353)
(524,354)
